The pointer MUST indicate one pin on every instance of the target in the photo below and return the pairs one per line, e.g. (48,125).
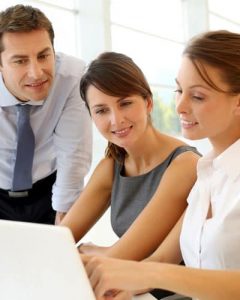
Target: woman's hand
(117,295)
(110,277)
(92,249)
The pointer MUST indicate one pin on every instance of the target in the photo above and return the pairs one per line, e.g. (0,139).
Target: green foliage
(164,115)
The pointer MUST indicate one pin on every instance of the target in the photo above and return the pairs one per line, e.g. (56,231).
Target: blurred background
(152,32)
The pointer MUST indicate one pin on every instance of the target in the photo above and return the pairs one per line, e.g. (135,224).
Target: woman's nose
(117,117)
(182,104)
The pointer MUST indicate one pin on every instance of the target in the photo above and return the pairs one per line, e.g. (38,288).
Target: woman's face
(121,120)
(203,111)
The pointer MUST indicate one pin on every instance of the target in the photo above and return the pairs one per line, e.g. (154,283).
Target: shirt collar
(7,99)
(228,161)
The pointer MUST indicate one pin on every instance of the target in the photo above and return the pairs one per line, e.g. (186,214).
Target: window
(63,15)
(224,15)
(152,34)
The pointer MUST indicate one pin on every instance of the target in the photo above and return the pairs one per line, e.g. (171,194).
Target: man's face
(28,64)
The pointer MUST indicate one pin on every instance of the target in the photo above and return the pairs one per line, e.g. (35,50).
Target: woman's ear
(237,106)
(149,102)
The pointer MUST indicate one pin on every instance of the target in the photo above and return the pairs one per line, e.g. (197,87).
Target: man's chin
(38,98)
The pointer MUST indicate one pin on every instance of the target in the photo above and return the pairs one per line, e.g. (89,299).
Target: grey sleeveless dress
(130,195)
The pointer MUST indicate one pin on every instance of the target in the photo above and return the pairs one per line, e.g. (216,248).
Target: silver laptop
(40,262)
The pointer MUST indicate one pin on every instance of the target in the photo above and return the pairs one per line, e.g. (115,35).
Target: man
(32,75)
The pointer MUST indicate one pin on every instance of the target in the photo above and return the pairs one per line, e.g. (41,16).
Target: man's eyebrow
(18,56)
(22,56)
(45,50)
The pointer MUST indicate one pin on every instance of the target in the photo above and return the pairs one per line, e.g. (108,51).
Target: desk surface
(143,297)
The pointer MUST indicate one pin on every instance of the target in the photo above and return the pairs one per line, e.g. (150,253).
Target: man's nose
(35,70)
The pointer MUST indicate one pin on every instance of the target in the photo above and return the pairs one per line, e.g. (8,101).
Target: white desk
(144,297)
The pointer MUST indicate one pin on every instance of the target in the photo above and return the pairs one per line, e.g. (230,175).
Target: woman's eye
(100,111)
(198,98)
(126,103)
(178,91)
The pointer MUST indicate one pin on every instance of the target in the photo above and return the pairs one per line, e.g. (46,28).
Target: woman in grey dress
(145,176)
(208,236)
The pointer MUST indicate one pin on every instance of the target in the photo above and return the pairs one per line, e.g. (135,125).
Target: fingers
(98,277)
(79,247)
(124,296)
(85,258)
(82,246)
(93,268)
(102,275)
(120,295)
(91,264)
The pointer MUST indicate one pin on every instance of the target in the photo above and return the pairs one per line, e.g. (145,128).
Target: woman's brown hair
(115,74)
(220,49)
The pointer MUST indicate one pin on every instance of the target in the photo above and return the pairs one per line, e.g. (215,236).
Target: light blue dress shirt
(63,134)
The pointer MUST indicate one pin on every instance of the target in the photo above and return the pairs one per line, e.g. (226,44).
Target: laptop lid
(40,262)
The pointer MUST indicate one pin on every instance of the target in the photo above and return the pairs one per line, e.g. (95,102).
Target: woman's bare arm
(93,201)
(109,275)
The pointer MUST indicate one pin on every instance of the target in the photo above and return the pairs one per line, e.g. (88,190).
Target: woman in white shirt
(208,104)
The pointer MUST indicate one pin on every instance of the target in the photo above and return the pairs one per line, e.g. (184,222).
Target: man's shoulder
(68,65)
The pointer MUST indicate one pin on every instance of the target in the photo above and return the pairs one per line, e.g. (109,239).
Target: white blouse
(214,243)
